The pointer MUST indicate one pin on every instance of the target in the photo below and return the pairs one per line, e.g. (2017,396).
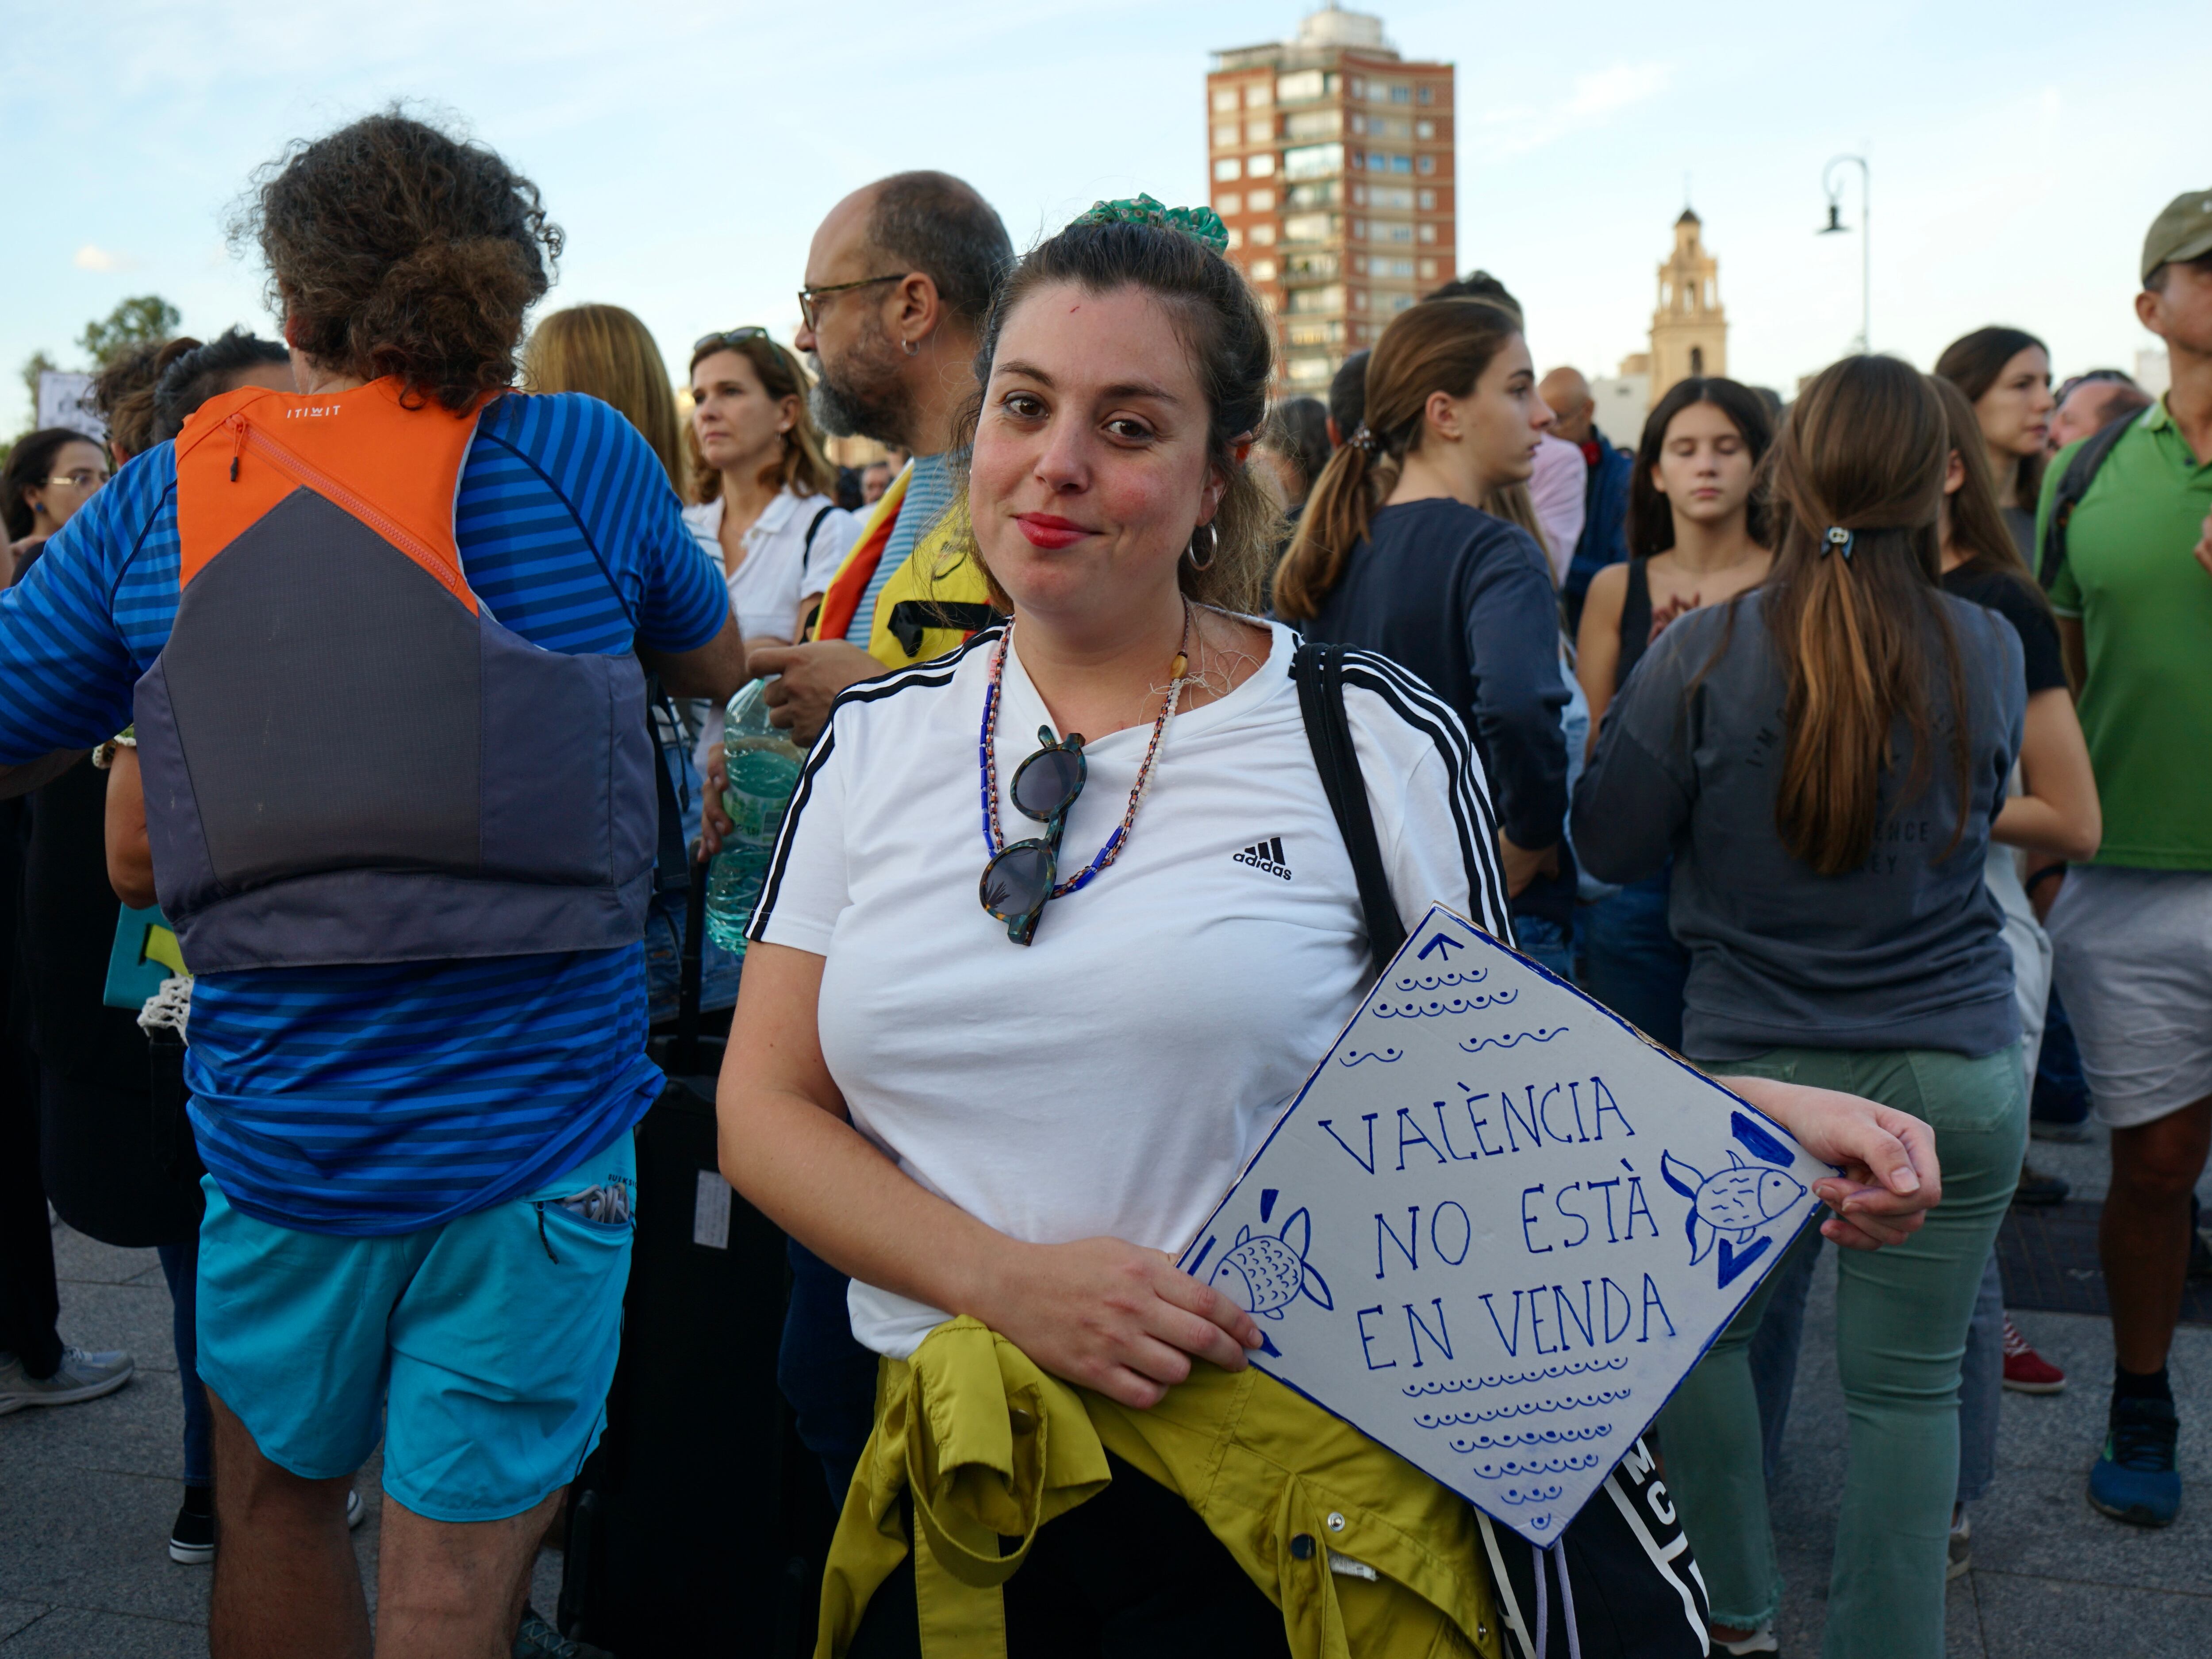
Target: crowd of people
(1833,745)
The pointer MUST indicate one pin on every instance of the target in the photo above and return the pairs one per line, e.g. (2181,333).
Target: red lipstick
(1049,531)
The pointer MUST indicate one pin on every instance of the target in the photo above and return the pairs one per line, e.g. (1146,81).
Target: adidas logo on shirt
(1266,855)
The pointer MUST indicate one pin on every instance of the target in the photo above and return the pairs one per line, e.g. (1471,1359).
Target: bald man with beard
(1604,539)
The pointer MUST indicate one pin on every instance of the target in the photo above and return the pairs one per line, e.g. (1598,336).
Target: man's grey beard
(863,399)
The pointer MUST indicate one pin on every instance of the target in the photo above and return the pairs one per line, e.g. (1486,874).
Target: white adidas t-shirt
(1113,1077)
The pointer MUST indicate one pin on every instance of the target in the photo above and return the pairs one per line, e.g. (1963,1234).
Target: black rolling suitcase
(699,1525)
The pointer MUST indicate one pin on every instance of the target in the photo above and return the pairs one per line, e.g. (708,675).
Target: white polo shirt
(1113,1077)
(766,587)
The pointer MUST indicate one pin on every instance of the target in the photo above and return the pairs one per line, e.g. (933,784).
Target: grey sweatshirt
(1904,952)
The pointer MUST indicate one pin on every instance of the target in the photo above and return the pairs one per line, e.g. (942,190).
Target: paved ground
(87,1493)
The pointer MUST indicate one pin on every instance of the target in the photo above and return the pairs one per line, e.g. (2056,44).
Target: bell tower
(1689,330)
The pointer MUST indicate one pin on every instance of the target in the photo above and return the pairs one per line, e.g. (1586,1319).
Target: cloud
(1617,88)
(90,258)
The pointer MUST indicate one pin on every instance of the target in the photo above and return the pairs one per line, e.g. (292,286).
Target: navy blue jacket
(1605,524)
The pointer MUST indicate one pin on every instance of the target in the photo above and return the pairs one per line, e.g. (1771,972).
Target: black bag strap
(807,546)
(2073,485)
(671,866)
(1318,668)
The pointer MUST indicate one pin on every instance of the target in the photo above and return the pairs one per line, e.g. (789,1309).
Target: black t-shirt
(2009,596)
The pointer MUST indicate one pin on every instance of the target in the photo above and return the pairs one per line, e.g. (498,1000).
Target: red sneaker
(2026,1372)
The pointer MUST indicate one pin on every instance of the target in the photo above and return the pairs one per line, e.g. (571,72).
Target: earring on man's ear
(913,348)
(1213,545)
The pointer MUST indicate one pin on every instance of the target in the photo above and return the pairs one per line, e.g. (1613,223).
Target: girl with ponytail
(1822,756)
(1395,554)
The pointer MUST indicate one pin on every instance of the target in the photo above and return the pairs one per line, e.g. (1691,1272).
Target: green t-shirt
(2145,606)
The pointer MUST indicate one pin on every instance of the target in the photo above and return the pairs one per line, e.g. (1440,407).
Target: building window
(1428,164)
(1428,270)
(1261,201)
(1228,169)
(1425,233)
(1316,333)
(1311,300)
(1229,206)
(1400,302)
(1327,193)
(1224,135)
(1236,237)
(1309,371)
(1261,131)
(1258,94)
(1299,88)
(1263,271)
(1428,94)
(1358,87)
(1308,228)
(1424,129)
(1313,124)
(1224,98)
(1359,299)
(1313,267)
(1261,165)
(1311,162)
(1394,233)
(1359,230)
(1401,94)
(1359,264)
(1264,234)
(1427,200)
(1696,360)
(1390,195)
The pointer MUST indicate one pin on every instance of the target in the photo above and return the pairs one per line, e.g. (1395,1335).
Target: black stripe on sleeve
(1421,708)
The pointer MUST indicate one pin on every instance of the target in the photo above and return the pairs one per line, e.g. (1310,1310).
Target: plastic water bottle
(764,771)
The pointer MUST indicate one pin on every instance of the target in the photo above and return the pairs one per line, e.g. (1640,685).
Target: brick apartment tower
(1331,160)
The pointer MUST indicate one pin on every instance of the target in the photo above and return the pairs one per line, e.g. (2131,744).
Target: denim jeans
(1631,962)
(1544,941)
(180,1265)
(1902,1315)
(828,1378)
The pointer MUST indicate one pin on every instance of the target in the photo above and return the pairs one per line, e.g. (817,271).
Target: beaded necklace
(987,747)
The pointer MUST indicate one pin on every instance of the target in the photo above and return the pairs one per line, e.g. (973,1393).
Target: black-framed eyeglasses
(807,296)
(1020,878)
(726,339)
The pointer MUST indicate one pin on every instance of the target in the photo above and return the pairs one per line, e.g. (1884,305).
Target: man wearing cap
(2133,927)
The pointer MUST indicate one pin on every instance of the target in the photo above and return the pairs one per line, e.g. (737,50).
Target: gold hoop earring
(1213,546)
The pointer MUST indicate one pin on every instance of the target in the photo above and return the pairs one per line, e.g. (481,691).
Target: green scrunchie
(1200,224)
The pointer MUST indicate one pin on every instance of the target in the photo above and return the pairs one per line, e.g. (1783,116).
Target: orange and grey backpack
(347,759)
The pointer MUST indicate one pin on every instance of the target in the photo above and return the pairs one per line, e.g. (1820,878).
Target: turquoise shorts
(479,1351)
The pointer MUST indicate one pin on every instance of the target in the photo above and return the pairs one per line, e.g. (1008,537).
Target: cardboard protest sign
(1498,1226)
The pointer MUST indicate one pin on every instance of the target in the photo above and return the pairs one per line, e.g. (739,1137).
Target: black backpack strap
(671,866)
(1318,668)
(807,546)
(2073,485)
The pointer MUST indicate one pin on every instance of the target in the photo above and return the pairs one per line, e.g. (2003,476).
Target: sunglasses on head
(726,339)
(1020,878)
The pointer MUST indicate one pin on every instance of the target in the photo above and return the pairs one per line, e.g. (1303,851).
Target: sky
(690,149)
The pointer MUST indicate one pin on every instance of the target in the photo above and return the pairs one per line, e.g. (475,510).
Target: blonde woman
(606,352)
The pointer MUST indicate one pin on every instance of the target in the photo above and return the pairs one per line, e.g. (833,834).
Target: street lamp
(1836,225)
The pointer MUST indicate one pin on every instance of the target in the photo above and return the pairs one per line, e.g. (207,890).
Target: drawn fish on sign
(1738,1201)
(1263,1274)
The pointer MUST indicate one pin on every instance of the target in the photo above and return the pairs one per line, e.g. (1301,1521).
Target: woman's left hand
(1891,1177)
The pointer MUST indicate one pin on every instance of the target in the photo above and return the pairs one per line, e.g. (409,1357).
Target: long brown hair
(1979,535)
(1650,514)
(803,468)
(1859,628)
(606,351)
(1439,345)
(1972,363)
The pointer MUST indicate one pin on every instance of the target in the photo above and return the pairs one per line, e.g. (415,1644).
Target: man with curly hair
(384,637)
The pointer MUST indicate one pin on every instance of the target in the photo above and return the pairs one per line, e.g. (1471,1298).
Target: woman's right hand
(1113,1316)
(713,821)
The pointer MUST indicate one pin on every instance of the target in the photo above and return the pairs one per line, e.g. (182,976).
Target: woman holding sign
(1822,757)
(1002,1117)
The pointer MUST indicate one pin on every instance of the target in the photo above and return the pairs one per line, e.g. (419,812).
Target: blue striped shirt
(386,1098)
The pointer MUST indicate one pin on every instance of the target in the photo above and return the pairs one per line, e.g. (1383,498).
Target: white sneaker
(355,1512)
(1759,1641)
(1961,1547)
(81,1376)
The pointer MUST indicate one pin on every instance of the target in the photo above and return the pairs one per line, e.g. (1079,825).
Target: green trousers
(1901,1317)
